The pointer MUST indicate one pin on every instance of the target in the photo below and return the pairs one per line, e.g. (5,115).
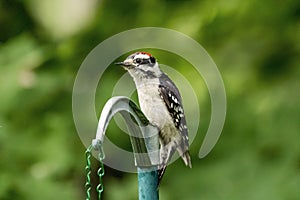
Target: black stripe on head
(152,59)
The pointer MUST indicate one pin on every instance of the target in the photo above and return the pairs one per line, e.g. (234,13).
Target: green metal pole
(148,182)
(147,173)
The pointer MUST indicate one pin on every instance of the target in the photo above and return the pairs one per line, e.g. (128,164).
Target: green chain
(88,170)
(100,173)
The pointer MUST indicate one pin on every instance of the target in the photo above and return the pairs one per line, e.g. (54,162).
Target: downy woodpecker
(161,103)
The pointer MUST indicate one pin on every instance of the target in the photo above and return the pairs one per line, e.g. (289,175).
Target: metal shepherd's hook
(144,140)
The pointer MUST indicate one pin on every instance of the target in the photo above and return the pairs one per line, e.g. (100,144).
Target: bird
(161,103)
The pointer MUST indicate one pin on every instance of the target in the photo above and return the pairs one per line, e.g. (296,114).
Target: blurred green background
(254,43)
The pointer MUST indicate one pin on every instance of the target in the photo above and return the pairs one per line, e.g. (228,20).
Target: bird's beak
(119,63)
(126,64)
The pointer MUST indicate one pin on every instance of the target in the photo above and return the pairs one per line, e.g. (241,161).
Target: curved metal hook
(143,135)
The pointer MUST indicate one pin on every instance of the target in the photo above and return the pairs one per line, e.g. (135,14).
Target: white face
(142,65)
(139,58)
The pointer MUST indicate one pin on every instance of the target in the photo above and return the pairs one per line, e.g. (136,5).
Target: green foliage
(255,44)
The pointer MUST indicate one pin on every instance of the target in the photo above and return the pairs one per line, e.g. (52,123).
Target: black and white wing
(171,96)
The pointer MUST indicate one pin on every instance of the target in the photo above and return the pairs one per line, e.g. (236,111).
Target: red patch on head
(146,53)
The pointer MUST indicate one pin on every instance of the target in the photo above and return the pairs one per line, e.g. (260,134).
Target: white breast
(153,106)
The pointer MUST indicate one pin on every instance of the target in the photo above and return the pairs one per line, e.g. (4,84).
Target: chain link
(100,173)
(88,170)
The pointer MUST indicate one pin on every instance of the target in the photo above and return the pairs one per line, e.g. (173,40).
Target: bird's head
(141,65)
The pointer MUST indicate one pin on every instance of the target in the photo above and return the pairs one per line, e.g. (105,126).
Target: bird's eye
(138,60)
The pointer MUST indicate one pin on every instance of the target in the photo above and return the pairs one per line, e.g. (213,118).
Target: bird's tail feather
(161,172)
(187,159)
